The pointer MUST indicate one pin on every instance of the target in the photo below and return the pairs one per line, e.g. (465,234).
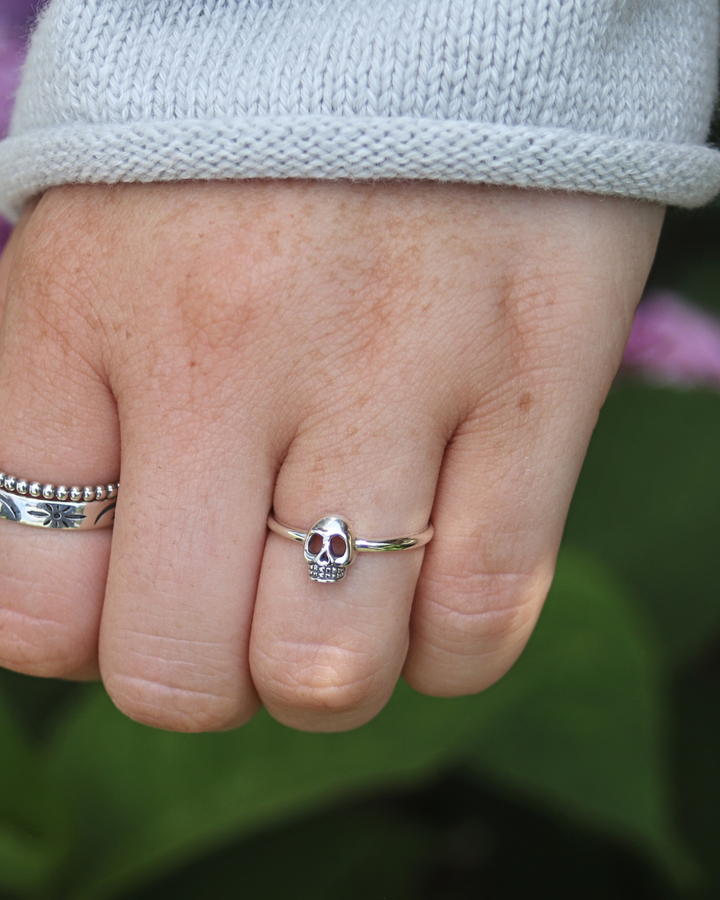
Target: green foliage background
(590,770)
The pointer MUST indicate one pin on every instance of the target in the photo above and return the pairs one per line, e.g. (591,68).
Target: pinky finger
(499,513)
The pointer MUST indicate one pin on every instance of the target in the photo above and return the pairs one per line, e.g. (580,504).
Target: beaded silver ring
(60,507)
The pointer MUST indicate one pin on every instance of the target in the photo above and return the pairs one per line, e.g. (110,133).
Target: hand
(393,353)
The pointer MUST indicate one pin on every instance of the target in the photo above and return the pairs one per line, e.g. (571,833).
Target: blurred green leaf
(589,738)
(687,258)
(451,839)
(34,830)
(697,739)
(648,503)
(353,853)
(701,283)
(38,704)
(148,800)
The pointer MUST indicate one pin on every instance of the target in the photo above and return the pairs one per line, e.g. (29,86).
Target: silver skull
(329,549)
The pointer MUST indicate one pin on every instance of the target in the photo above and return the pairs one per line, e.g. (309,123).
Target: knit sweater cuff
(603,97)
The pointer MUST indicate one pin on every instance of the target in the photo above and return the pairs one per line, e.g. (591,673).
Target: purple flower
(15,16)
(15,19)
(11,57)
(18,12)
(5,229)
(674,342)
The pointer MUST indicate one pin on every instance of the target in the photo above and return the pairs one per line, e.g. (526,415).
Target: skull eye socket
(338,546)
(315,544)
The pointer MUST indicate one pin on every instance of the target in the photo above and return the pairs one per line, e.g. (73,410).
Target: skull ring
(329,549)
(330,546)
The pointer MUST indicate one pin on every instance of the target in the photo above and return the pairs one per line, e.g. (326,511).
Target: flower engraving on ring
(57,506)
(57,515)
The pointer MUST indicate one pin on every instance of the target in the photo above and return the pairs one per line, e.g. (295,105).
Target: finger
(498,520)
(511,468)
(327,656)
(188,540)
(59,426)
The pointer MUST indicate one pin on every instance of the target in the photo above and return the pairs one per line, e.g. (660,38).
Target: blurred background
(592,770)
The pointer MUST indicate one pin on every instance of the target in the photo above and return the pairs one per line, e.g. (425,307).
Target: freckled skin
(390,353)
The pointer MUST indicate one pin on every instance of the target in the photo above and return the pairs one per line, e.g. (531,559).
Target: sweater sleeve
(610,97)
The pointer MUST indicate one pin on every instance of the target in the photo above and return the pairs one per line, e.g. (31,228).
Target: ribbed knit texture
(605,96)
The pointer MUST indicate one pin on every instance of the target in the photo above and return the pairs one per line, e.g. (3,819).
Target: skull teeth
(326,574)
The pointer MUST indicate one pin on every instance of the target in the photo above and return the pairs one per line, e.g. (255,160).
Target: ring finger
(326,657)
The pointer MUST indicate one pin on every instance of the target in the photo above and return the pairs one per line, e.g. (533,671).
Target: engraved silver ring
(59,507)
(331,545)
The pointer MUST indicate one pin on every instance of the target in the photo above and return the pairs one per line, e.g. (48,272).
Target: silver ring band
(330,545)
(48,506)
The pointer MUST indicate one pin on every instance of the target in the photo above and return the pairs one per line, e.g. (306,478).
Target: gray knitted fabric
(605,96)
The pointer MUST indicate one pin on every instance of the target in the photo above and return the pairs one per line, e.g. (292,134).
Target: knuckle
(173,683)
(54,263)
(43,647)
(472,626)
(315,681)
(55,301)
(173,707)
(468,609)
